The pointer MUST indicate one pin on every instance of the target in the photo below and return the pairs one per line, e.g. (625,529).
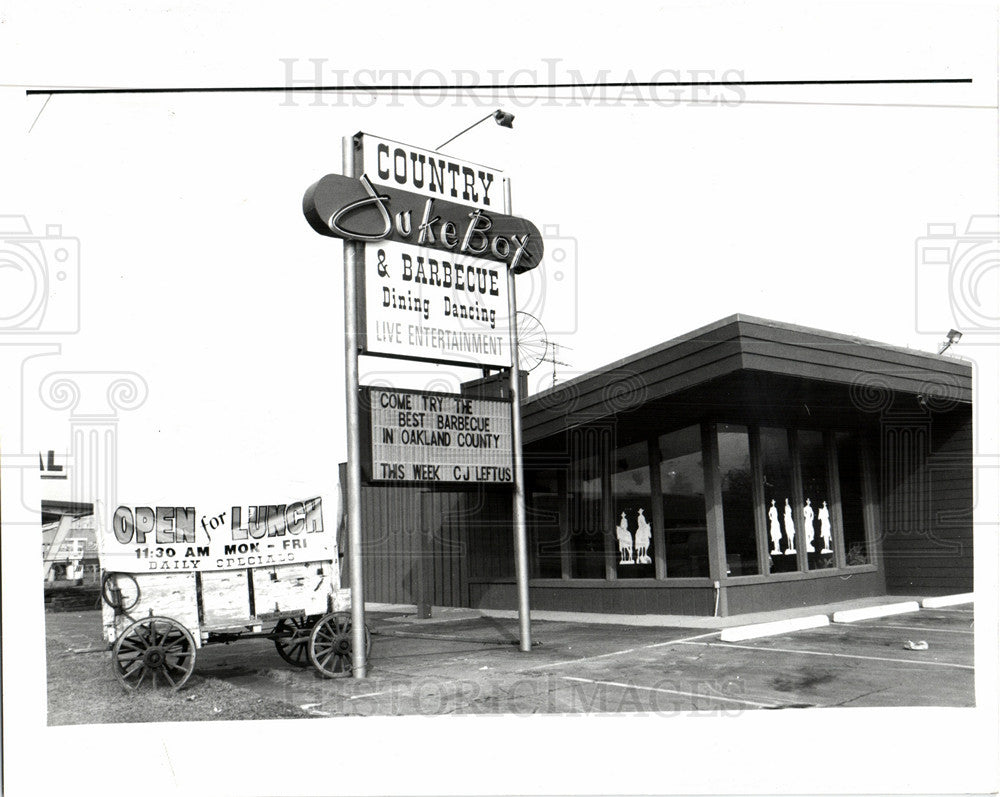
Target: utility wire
(494,86)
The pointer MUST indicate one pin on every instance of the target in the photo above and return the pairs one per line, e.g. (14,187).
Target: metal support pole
(520,520)
(353,256)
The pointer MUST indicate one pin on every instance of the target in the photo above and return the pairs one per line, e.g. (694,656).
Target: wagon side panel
(225,598)
(294,587)
(173,595)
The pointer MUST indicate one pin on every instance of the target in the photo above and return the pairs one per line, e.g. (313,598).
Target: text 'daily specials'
(142,539)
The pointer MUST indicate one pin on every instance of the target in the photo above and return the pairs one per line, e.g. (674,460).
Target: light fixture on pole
(954,336)
(502,118)
(505,119)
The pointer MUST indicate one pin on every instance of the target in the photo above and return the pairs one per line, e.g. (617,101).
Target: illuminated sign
(431,173)
(358,210)
(424,305)
(438,437)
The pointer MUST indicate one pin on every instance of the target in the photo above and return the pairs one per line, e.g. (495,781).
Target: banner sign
(430,173)
(439,437)
(145,539)
(357,210)
(447,309)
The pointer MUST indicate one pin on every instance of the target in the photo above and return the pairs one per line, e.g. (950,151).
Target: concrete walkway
(445,613)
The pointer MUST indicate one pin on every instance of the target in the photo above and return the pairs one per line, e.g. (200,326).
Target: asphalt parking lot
(473,665)
(461,664)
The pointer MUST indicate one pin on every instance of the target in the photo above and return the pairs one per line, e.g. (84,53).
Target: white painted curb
(871,612)
(742,632)
(947,600)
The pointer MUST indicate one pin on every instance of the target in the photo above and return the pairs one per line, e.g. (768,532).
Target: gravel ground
(83,690)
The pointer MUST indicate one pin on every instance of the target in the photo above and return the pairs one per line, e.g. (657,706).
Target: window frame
(714,521)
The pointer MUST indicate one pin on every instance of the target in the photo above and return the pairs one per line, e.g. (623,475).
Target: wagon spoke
(137,638)
(290,640)
(135,665)
(156,645)
(127,666)
(331,645)
(178,644)
(129,644)
(169,638)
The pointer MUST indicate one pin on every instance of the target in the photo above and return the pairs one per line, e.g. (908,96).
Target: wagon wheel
(154,650)
(292,640)
(330,645)
(120,591)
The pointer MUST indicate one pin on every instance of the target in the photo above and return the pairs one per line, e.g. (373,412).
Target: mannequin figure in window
(642,536)
(810,529)
(624,542)
(774,528)
(824,528)
(789,528)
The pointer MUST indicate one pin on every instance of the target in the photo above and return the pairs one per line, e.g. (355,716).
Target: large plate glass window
(852,507)
(682,484)
(817,529)
(776,470)
(585,518)
(737,500)
(632,502)
(544,508)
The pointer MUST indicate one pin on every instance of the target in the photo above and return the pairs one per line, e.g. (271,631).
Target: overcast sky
(198,273)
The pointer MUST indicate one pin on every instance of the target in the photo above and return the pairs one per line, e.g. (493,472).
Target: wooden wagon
(156,621)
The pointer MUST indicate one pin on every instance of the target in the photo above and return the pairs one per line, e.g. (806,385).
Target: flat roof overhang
(741,361)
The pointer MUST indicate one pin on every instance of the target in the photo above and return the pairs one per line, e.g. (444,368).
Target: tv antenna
(534,346)
(553,353)
(531,341)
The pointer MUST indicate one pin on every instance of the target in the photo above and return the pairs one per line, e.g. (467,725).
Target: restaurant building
(746,466)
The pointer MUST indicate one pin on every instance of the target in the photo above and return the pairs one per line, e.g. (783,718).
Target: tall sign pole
(520,524)
(353,255)
(427,248)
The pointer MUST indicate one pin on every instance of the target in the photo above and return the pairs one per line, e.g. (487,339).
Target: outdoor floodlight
(954,336)
(503,118)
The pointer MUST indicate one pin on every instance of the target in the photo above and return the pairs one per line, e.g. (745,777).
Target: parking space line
(834,655)
(920,628)
(672,692)
(623,652)
(368,694)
